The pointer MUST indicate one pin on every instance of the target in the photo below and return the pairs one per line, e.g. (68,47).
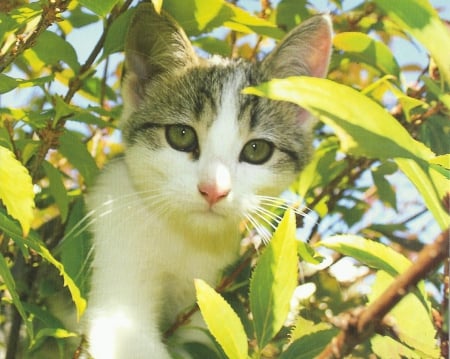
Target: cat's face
(202,152)
(199,151)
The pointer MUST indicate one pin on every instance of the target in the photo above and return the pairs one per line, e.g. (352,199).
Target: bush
(374,197)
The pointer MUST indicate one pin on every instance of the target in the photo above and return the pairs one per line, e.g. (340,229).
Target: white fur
(154,233)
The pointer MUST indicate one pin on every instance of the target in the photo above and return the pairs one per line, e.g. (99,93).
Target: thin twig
(77,81)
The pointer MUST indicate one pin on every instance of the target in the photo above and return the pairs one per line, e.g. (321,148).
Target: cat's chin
(211,218)
(210,214)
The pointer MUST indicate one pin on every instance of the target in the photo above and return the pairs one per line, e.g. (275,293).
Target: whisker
(284,204)
(260,229)
(104,209)
(263,216)
(273,216)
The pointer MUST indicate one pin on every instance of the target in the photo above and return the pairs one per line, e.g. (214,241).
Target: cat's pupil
(257,152)
(182,138)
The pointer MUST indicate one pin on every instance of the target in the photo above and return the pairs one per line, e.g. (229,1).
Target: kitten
(200,157)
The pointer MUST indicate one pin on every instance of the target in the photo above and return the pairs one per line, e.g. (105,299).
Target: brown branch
(361,325)
(50,15)
(50,135)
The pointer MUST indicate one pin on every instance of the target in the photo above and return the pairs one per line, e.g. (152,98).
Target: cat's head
(198,150)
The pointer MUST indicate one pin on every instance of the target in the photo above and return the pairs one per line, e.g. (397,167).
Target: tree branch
(50,15)
(361,325)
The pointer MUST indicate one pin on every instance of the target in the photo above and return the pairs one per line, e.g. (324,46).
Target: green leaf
(57,333)
(376,136)
(115,38)
(57,189)
(415,331)
(360,47)
(386,347)
(32,241)
(75,249)
(435,132)
(222,321)
(101,8)
(290,13)
(431,184)
(309,346)
(7,83)
(76,152)
(51,49)
(443,160)
(16,189)
(201,351)
(213,45)
(384,189)
(345,110)
(319,171)
(420,19)
(308,254)
(198,17)
(79,19)
(242,21)
(437,91)
(373,254)
(376,90)
(18,17)
(8,279)
(304,327)
(273,281)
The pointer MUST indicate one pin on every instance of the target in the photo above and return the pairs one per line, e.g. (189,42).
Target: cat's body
(200,155)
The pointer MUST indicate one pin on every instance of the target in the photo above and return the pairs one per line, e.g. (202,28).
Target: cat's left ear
(306,50)
(155,46)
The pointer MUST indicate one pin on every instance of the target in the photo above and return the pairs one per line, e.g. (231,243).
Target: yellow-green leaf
(416,331)
(364,128)
(7,83)
(16,189)
(347,111)
(222,321)
(201,16)
(12,229)
(158,5)
(362,48)
(420,19)
(443,160)
(274,280)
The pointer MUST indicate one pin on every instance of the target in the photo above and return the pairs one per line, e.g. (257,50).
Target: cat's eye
(182,138)
(256,152)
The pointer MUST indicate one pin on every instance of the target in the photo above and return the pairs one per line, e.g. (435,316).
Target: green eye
(256,152)
(182,138)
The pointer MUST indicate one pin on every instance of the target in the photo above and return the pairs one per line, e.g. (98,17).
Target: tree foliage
(374,201)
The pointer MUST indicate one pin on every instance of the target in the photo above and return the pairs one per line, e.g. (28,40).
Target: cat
(200,157)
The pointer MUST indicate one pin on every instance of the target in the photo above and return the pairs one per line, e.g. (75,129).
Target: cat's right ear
(155,45)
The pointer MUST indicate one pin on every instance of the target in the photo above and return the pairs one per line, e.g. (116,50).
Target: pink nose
(213,193)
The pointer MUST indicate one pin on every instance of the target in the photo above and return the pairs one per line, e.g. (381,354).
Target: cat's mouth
(212,212)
